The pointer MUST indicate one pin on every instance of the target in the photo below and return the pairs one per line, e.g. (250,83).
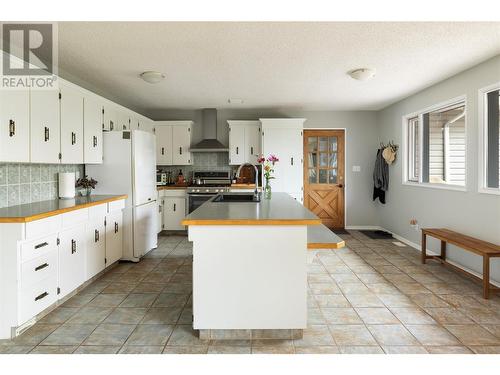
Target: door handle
(175,207)
(341,186)
(73,246)
(95,141)
(180,150)
(163,150)
(47,134)
(116,227)
(237,150)
(12,128)
(73,138)
(41,267)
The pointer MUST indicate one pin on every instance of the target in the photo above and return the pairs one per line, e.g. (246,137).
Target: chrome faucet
(256,192)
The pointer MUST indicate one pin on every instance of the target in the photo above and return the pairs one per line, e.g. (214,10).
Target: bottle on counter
(180,178)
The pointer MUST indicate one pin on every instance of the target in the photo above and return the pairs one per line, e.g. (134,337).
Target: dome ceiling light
(152,77)
(362,74)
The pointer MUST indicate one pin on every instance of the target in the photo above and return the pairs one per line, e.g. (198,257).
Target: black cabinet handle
(251,150)
(41,267)
(95,141)
(237,150)
(73,138)
(175,207)
(43,295)
(163,150)
(116,227)
(291,161)
(43,244)
(180,150)
(96,235)
(47,134)
(73,246)
(12,128)
(111,125)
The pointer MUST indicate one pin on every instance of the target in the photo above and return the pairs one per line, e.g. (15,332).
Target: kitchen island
(249,264)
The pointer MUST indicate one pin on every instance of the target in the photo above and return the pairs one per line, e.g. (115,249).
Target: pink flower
(273,158)
(261,159)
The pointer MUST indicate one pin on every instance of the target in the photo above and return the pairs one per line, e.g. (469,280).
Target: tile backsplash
(202,161)
(26,183)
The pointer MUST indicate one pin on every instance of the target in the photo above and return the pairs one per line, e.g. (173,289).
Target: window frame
(406,148)
(483,139)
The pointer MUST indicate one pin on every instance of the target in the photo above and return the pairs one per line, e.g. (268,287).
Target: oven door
(196,200)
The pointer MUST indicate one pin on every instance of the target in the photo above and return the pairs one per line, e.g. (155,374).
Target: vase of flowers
(85,185)
(268,170)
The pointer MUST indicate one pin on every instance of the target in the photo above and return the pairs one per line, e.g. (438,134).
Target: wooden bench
(485,249)
(321,237)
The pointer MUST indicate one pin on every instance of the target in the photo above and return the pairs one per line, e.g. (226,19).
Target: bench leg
(443,250)
(424,247)
(486,277)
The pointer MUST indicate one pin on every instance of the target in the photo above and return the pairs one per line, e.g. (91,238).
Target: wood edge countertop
(323,245)
(251,222)
(59,211)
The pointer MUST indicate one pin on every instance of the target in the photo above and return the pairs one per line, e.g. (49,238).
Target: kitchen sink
(237,197)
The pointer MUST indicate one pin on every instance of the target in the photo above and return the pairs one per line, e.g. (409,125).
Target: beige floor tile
(269,349)
(184,335)
(361,350)
(494,329)
(59,315)
(90,315)
(335,300)
(396,300)
(171,300)
(107,300)
(134,349)
(364,300)
(150,334)
(410,315)
(324,288)
(412,288)
(228,349)
(405,350)
(448,315)
(432,335)
(315,317)
(472,334)
(383,288)
(315,336)
(392,335)
(79,300)
(118,288)
(354,288)
(126,315)
(371,278)
(429,300)
(15,349)
(162,315)
(110,334)
(69,334)
(486,349)
(148,287)
(341,315)
(376,315)
(459,300)
(351,335)
(54,349)
(481,315)
(448,350)
(33,336)
(97,350)
(197,349)
(139,300)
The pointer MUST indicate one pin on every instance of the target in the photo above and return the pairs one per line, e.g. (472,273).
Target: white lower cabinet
(96,247)
(174,211)
(114,237)
(71,260)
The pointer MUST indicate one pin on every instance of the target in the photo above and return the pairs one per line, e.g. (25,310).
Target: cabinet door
(274,141)
(253,142)
(45,126)
(174,211)
(96,247)
(109,118)
(134,123)
(114,237)
(123,121)
(147,126)
(14,126)
(71,126)
(71,260)
(164,145)
(92,126)
(181,136)
(236,145)
(295,170)
(160,215)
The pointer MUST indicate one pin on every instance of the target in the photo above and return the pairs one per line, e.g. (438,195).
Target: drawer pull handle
(163,150)
(47,134)
(73,246)
(43,295)
(40,245)
(41,267)
(175,207)
(116,227)
(95,141)
(237,150)
(73,138)
(12,128)
(180,150)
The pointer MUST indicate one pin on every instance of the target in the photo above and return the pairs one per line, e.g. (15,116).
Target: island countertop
(281,209)
(38,210)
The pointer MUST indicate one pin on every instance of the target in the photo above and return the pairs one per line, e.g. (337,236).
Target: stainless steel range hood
(210,143)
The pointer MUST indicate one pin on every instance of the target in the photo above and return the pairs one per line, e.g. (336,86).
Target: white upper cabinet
(283,138)
(45,126)
(71,125)
(164,144)
(181,142)
(123,120)
(173,141)
(92,130)
(14,126)
(110,121)
(244,141)
(147,125)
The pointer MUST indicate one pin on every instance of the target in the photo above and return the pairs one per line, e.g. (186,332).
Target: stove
(206,184)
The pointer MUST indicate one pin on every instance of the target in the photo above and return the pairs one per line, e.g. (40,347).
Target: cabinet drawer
(116,205)
(70,219)
(98,211)
(38,269)
(43,227)
(36,298)
(181,193)
(39,247)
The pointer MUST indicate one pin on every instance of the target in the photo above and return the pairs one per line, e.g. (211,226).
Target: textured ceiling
(268,65)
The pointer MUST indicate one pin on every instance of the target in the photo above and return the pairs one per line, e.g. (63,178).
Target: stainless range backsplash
(27,183)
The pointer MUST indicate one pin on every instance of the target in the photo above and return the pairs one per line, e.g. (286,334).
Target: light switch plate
(356,168)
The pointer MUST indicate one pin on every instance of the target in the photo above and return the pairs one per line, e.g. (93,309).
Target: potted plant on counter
(85,185)
(268,170)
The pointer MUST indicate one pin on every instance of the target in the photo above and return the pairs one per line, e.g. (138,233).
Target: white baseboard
(417,247)
(363,227)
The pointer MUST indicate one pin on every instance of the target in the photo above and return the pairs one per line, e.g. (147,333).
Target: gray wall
(469,212)
(361,145)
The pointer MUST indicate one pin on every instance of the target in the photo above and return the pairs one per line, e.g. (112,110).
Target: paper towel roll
(67,185)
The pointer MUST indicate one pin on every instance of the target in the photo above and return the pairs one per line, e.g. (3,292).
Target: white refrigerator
(129,167)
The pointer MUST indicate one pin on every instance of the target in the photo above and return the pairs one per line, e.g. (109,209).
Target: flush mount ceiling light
(152,77)
(362,74)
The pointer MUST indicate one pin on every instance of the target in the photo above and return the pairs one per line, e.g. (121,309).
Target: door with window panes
(324,175)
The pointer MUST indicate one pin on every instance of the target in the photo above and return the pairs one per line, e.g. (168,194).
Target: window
(491,137)
(436,146)
(322,159)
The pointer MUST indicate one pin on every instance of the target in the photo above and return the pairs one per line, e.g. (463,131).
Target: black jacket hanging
(380,177)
